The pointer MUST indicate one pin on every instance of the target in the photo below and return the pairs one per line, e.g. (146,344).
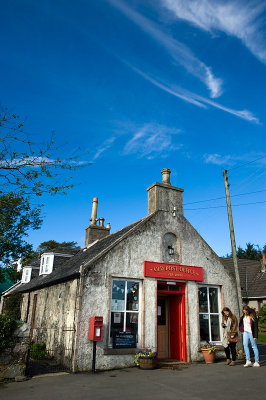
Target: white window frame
(26,275)
(211,313)
(125,311)
(47,261)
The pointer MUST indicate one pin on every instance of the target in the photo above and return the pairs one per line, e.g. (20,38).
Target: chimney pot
(94,211)
(101,222)
(108,226)
(166,176)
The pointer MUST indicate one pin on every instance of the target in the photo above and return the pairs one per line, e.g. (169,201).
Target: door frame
(175,292)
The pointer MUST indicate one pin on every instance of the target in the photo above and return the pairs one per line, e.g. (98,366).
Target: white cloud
(216,159)
(179,52)
(152,140)
(242,19)
(105,146)
(194,98)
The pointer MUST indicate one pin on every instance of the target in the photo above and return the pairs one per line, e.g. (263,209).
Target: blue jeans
(248,336)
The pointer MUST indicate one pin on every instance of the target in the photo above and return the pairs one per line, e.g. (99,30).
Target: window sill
(117,352)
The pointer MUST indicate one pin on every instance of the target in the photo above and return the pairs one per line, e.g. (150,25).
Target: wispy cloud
(194,98)
(152,140)
(231,159)
(104,146)
(242,19)
(217,159)
(179,52)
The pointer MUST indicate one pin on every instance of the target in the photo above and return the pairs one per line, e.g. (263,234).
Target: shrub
(262,314)
(7,328)
(12,306)
(38,351)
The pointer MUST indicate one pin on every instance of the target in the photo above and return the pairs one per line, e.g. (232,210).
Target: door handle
(172,332)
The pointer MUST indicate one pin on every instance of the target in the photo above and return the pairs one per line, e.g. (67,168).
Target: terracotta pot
(208,357)
(147,363)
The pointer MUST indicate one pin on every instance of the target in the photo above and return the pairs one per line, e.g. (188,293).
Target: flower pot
(147,363)
(208,357)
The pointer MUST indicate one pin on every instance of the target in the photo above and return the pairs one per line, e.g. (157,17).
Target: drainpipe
(77,315)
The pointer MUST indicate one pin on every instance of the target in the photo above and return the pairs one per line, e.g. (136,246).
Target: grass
(262,337)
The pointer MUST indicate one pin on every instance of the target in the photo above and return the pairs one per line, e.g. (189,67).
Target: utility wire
(223,197)
(242,165)
(233,205)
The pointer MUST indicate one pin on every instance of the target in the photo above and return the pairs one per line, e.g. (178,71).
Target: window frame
(47,262)
(209,313)
(26,275)
(125,311)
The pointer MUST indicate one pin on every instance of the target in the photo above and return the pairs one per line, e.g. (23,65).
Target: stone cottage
(156,283)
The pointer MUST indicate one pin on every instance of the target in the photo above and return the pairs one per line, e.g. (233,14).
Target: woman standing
(249,325)
(229,324)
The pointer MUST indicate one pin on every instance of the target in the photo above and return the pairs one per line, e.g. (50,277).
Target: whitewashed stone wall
(126,260)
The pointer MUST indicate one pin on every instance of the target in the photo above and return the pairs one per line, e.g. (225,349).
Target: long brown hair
(228,310)
(250,313)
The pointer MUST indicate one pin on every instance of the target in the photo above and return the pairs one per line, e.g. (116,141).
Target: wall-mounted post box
(96,329)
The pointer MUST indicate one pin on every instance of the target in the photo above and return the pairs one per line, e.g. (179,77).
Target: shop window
(209,314)
(125,314)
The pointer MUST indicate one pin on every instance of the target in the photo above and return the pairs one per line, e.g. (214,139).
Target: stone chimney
(164,196)
(94,231)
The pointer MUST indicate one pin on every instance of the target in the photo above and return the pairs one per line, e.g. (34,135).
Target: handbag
(232,339)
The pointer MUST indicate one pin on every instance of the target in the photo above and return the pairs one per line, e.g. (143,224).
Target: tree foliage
(251,252)
(47,246)
(27,169)
(16,218)
(12,306)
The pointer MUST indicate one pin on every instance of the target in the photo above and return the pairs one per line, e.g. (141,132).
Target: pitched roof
(252,280)
(70,269)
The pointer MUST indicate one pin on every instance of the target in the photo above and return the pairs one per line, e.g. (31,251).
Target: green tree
(27,169)
(46,246)
(251,252)
(16,218)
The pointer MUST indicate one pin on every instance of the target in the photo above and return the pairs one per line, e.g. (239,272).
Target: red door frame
(177,320)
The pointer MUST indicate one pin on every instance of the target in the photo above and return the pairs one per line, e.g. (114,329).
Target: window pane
(118,296)
(117,323)
(161,312)
(132,296)
(203,299)
(204,328)
(132,324)
(213,293)
(215,328)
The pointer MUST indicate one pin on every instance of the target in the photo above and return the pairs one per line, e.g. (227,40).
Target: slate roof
(71,267)
(252,280)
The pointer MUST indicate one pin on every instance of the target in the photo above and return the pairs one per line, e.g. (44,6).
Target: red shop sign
(173,271)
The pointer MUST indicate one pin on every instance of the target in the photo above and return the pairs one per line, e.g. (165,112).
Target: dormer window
(46,264)
(26,274)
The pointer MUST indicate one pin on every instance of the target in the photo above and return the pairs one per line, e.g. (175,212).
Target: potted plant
(208,351)
(146,359)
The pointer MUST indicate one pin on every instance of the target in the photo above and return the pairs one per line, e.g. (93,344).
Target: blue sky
(141,86)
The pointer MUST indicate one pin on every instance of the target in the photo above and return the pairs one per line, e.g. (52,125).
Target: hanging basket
(147,363)
(208,357)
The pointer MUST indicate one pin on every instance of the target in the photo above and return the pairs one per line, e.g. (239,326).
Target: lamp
(170,250)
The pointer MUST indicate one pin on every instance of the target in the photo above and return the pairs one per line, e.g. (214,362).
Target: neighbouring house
(252,275)
(156,283)
(49,261)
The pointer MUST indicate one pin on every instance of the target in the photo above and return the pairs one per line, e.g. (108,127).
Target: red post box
(96,329)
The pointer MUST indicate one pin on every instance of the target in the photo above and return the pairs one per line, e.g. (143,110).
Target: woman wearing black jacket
(249,326)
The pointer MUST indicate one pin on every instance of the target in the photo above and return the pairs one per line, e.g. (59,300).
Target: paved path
(195,382)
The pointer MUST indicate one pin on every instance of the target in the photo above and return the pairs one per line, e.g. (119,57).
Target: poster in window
(117,318)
